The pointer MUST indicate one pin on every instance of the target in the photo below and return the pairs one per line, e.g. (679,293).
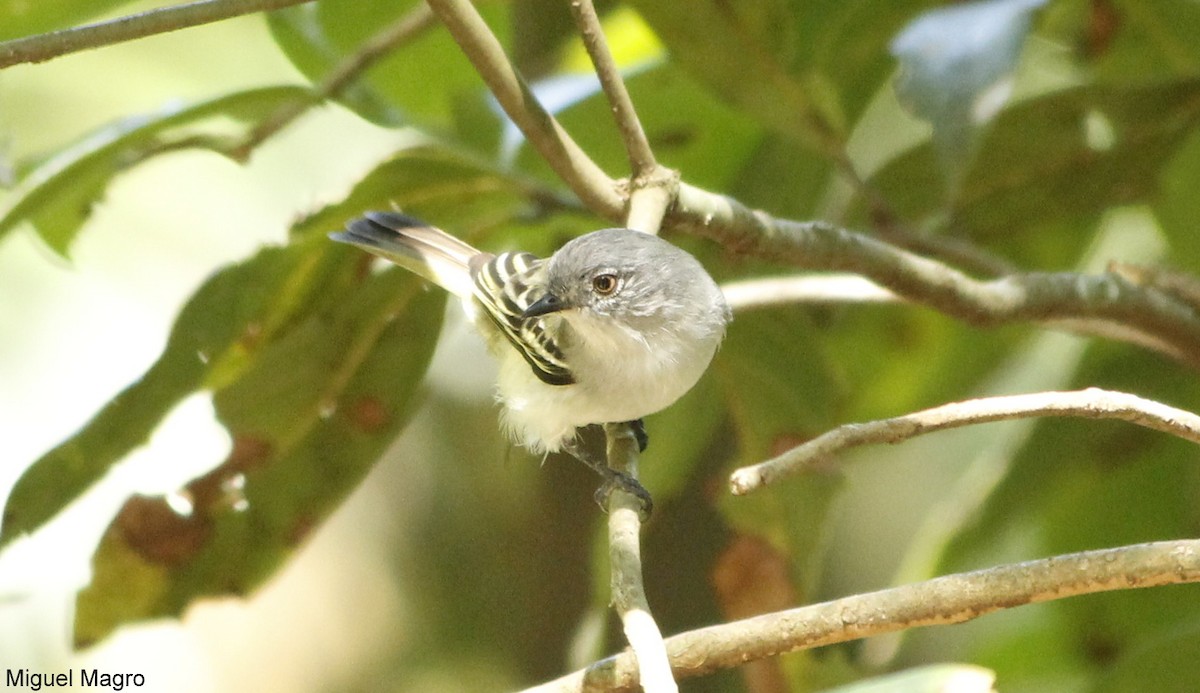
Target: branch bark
(571,164)
(1106,305)
(940,601)
(1092,403)
(625,560)
(637,147)
(43,47)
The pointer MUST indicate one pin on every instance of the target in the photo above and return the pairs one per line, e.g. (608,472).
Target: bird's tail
(416,246)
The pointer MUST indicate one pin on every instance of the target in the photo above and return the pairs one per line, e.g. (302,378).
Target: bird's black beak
(545,305)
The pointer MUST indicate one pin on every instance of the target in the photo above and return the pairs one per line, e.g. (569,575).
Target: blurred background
(457,563)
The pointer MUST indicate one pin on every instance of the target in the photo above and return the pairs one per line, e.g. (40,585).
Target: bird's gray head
(634,278)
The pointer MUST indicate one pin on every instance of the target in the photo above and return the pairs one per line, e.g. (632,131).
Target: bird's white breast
(621,375)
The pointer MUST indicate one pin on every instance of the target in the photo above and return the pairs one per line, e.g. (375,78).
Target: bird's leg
(612,478)
(638,426)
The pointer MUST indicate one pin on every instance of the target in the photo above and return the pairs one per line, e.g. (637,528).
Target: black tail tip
(375,228)
(394,220)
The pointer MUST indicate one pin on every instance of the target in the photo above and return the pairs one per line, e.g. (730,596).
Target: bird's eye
(604,284)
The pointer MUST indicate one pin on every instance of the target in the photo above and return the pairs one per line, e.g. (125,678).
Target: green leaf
(806,70)
(313,362)
(1165,665)
(687,129)
(437,185)
(956,67)
(1128,41)
(1066,156)
(310,408)
(58,194)
(961,678)
(299,31)
(206,332)
(780,390)
(1177,206)
(420,81)
(680,435)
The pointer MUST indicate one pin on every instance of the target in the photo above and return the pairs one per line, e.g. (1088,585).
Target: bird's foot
(620,480)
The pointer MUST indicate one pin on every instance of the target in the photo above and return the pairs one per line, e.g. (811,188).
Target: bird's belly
(542,417)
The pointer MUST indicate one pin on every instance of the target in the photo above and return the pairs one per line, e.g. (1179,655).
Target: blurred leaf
(780,391)
(420,82)
(435,184)
(1064,156)
(956,66)
(783,178)
(58,194)
(938,678)
(1129,41)
(208,328)
(687,129)
(679,437)
(1177,206)
(310,408)
(313,362)
(299,31)
(814,65)
(1166,665)
(775,406)
(19,18)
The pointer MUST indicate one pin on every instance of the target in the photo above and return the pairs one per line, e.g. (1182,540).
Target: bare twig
(940,601)
(641,157)
(748,294)
(552,142)
(1091,403)
(652,188)
(43,47)
(625,557)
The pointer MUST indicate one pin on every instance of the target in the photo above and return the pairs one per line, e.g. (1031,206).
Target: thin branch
(43,47)
(764,292)
(641,156)
(416,21)
(625,559)
(552,142)
(1107,305)
(940,601)
(1091,403)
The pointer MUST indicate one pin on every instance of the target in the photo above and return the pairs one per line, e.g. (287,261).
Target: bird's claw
(620,480)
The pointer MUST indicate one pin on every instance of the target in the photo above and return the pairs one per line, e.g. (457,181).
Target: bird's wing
(505,286)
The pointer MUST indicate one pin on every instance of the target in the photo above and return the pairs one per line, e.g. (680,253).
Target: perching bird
(616,325)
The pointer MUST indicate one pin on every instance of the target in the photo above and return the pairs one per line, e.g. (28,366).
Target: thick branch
(1092,403)
(940,601)
(1106,305)
(36,49)
(552,142)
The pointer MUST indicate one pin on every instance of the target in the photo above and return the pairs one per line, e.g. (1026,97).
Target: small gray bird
(615,326)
